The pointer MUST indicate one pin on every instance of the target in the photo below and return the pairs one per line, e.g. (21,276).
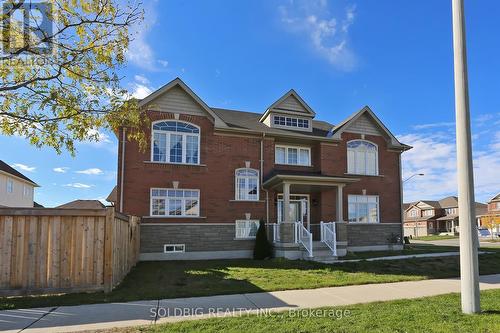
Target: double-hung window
(293,155)
(362,157)
(363,208)
(247,184)
(10,186)
(246,228)
(173,202)
(175,142)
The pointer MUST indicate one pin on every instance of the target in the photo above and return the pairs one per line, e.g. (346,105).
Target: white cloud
(434,154)
(140,90)
(327,33)
(99,138)
(91,171)
(78,185)
(23,167)
(163,62)
(434,125)
(140,52)
(141,79)
(60,169)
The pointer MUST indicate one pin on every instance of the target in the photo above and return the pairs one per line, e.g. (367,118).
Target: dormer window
(291,122)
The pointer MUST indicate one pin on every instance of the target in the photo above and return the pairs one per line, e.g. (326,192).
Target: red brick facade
(222,152)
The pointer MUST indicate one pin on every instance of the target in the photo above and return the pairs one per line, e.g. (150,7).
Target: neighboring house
(112,197)
(16,190)
(83,204)
(428,217)
(491,218)
(209,175)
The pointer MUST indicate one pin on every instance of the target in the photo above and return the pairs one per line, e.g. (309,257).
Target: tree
(263,249)
(59,66)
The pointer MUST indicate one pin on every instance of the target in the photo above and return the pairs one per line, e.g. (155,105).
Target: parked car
(483,232)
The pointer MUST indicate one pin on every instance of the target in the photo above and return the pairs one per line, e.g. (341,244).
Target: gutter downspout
(262,176)
(124,130)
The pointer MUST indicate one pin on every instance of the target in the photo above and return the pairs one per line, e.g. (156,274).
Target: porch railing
(276,232)
(305,238)
(328,235)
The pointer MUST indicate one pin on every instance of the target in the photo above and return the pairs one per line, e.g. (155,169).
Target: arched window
(362,157)
(176,142)
(247,184)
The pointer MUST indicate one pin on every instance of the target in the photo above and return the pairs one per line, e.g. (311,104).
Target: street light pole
(469,271)
(415,174)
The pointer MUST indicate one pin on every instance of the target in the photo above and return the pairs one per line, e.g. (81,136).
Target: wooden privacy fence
(45,250)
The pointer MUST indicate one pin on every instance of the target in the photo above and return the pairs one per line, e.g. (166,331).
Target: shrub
(263,248)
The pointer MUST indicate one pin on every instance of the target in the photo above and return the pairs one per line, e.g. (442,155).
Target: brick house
(427,217)
(209,175)
(491,218)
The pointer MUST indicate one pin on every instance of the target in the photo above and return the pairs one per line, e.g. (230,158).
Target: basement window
(174,248)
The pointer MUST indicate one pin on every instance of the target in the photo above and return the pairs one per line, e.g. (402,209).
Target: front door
(299,209)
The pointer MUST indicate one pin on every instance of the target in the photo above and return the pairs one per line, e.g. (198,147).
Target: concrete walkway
(106,316)
(406,256)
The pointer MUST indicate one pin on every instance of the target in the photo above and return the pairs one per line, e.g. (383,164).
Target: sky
(394,56)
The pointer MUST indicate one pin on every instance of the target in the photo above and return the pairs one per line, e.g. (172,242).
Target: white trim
(298,147)
(167,141)
(8,174)
(11,187)
(354,166)
(298,128)
(178,82)
(295,200)
(236,177)
(183,208)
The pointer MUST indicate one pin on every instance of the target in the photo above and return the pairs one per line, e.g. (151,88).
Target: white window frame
(357,214)
(247,225)
(167,141)
(279,125)
(167,198)
(26,191)
(10,186)
(237,183)
(351,169)
(181,246)
(428,212)
(413,212)
(287,147)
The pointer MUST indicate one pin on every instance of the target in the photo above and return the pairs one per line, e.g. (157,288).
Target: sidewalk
(102,316)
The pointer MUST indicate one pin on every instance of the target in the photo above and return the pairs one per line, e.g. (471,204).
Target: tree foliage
(59,82)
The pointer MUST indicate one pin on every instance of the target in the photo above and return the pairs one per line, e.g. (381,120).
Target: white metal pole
(469,271)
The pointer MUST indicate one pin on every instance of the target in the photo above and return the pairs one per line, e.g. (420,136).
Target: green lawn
(434,237)
(170,279)
(430,314)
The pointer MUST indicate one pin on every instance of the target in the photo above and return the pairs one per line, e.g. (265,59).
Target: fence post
(108,250)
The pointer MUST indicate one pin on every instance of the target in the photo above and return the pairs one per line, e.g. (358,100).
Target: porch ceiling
(306,183)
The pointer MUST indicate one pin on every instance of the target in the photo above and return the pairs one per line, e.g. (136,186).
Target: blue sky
(395,56)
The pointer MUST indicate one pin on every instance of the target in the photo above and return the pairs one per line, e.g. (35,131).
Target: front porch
(309,219)
(309,216)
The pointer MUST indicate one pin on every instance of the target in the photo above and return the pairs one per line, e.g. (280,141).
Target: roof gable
(290,103)
(177,90)
(367,122)
(5,168)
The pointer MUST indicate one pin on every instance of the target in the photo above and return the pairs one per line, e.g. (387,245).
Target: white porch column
(340,205)
(286,202)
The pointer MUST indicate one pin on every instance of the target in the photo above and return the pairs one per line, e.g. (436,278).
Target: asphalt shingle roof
(10,170)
